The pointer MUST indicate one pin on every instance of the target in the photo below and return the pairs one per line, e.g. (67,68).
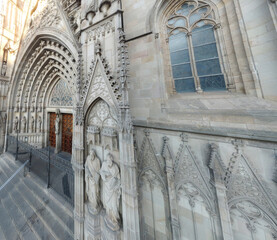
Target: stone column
(174,218)
(129,186)
(218,168)
(78,167)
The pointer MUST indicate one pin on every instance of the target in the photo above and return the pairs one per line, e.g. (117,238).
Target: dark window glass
(185,85)
(213,83)
(181,56)
(203,46)
(178,42)
(208,67)
(181,70)
(205,52)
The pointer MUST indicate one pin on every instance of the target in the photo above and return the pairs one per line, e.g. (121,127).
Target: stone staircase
(28,210)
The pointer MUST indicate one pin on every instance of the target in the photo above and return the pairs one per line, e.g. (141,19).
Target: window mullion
(193,64)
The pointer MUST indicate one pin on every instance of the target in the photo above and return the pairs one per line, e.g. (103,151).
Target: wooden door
(67,126)
(52,135)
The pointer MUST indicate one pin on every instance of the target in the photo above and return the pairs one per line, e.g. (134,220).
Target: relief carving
(24,121)
(111,191)
(92,178)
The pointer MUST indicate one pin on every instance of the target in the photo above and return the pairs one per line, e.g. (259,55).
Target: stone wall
(195,186)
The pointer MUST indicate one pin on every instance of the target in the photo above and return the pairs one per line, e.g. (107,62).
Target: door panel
(67,125)
(52,135)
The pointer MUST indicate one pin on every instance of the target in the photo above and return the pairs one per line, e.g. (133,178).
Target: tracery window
(193,48)
(61,95)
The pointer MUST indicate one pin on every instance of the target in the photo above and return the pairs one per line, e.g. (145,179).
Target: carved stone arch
(270,216)
(207,201)
(53,49)
(161,8)
(101,127)
(148,157)
(252,213)
(25,52)
(37,83)
(246,183)
(188,167)
(147,169)
(92,105)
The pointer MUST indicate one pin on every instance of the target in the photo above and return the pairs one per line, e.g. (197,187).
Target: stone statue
(111,189)
(92,177)
(15,125)
(24,121)
(33,124)
(39,124)
(57,124)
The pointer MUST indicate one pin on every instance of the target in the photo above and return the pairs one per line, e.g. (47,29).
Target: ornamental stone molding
(245,184)
(100,31)
(149,163)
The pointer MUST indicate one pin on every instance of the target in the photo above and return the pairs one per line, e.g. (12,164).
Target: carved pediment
(149,161)
(187,169)
(246,184)
(100,82)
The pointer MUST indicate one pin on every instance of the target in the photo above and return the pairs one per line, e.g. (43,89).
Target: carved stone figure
(33,124)
(24,121)
(39,124)
(57,124)
(92,177)
(15,125)
(111,189)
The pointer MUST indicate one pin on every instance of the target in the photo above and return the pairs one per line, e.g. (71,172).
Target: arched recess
(153,194)
(196,197)
(101,128)
(250,221)
(101,136)
(47,60)
(251,205)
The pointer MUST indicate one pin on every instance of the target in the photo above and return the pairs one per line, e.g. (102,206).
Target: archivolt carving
(47,56)
(45,14)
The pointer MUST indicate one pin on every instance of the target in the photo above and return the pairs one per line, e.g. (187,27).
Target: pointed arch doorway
(60,105)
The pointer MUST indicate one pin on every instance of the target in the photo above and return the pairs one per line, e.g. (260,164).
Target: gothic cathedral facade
(168,108)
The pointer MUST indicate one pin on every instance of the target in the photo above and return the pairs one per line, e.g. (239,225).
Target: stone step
(37,209)
(22,227)
(8,227)
(56,216)
(41,230)
(56,204)
(60,231)
(2,234)
(59,208)
(30,213)
(23,211)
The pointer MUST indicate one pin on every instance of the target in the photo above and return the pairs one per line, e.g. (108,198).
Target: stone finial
(184,137)
(147,132)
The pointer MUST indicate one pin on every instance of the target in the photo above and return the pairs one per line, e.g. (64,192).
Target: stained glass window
(193,51)
(61,95)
